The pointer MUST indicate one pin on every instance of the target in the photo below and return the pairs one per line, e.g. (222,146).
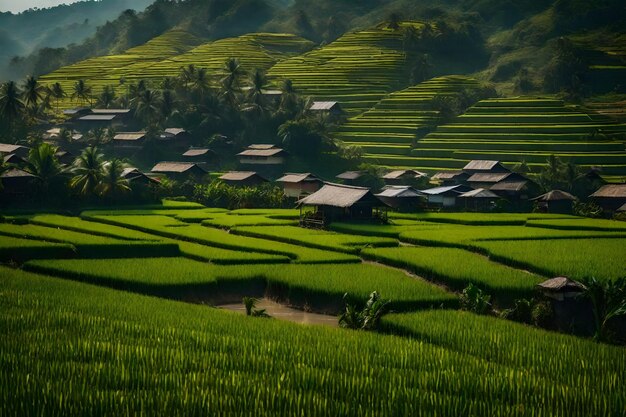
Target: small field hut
(555,201)
(338,202)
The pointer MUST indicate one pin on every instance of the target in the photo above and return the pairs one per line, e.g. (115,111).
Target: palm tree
(33,92)
(169,104)
(201,82)
(107,97)
(187,74)
(148,106)
(43,164)
(87,170)
(82,91)
(234,72)
(65,136)
(11,105)
(608,299)
(257,83)
(96,136)
(112,183)
(168,83)
(57,92)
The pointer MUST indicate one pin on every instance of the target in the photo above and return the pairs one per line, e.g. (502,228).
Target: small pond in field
(282,312)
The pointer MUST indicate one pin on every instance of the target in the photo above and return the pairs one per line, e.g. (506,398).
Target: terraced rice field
(521,129)
(390,126)
(164,56)
(73,331)
(357,70)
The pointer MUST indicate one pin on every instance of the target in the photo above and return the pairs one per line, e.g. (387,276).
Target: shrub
(475,300)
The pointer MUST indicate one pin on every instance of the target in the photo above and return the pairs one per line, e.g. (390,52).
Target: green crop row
(172,228)
(77,349)
(318,286)
(20,250)
(319,239)
(457,268)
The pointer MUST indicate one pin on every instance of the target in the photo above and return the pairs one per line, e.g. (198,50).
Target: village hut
(129,140)
(570,311)
(64,157)
(350,177)
(243,179)
(451,178)
(489,179)
(610,197)
(176,137)
(445,197)
(479,200)
(402,197)
(484,166)
(16,181)
(179,171)
(13,159)
(199,155)
(555,201)
(262,154)
(332,108)
(404,177)
(134,176)
(21,151)
(335,202)
(299,184)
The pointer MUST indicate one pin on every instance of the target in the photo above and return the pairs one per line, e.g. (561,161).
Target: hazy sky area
(16,6)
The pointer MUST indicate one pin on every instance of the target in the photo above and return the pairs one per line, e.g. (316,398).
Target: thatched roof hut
(341,202)
(610,197)
(243,178)
(555,201)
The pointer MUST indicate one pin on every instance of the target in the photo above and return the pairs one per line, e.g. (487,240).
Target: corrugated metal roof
(489,177)
(611,191)
(323,105)
(350,175)
(98,118)
(239,175)
(479,193)
(561,283)
(295,178)
(448,175)
(441,190)
(130,136)
(110,111)
(336,195)
(261,152)
(402,172)
(555,195)
(175,131)
(481,165)
(509,186)
(261,146)
(197,152)
(176,167)
(399,192)
(16,173)
(7,148)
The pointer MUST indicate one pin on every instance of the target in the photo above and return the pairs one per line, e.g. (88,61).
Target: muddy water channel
(281,312)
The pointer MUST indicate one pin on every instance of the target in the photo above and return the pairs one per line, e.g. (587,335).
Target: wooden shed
(243,179)
(339,202)
(556,201)
(489,179)
(451,178)
(480,165)
(129,140)
(329,107)
(262,154)
(402,197)
(15,181)
(176,137)
(404,177)
(199,155)
(610,197)
(299,184)
(350,177)
(179,171)
(21,151)
(445,197)
(479,200)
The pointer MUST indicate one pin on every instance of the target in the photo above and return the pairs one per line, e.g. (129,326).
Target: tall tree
(107,97)
(33,92)
(148,107)
(234,73)
(112,183)
(82,91)
(87,170)
(43,164)
(11,104)
(58,93)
